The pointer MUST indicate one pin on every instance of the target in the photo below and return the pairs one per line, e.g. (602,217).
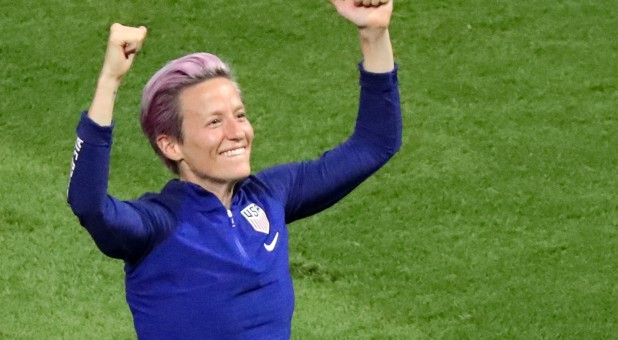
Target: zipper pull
(229,214)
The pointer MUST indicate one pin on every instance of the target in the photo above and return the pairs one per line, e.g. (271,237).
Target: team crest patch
(257,218)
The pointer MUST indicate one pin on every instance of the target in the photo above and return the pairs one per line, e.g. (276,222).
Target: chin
(240,175)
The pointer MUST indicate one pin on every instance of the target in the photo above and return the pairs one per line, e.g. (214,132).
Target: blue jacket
(196,270)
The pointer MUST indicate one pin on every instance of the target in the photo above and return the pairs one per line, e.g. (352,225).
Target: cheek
(249,132)
(205,140)
(211,143)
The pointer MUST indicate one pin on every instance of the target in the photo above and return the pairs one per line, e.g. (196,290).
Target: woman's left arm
(312,186)
(372,17)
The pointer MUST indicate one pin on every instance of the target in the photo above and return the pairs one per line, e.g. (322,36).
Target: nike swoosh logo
(271,246)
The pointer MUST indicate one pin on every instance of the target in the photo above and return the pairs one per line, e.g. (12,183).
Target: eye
(213,122)
(241,115)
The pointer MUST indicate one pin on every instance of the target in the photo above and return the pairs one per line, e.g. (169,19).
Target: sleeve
(312,186)
(120,229)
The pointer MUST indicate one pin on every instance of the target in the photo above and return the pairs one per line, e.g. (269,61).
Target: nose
(233,129)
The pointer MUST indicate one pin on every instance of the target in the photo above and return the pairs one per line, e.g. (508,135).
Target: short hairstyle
(161,111)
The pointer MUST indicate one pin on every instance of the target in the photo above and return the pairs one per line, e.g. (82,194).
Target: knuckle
(115,27)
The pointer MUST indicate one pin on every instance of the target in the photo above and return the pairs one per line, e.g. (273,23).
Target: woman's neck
(224,191)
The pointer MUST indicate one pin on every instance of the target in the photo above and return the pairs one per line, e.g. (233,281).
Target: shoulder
(277,180)
(164,205)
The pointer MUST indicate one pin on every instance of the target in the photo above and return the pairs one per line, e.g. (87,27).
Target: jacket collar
(196,196)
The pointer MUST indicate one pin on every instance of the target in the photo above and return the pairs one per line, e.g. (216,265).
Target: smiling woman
(207,257)
(211,146)
(217,138)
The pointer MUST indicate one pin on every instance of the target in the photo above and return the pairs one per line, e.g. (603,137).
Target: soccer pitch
(497,219)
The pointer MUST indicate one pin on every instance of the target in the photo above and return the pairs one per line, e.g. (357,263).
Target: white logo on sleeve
(257,218)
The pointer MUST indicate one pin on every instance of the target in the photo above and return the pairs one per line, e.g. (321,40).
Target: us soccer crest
(257,218)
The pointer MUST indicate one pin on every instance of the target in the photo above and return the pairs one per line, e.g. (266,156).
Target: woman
(207,257)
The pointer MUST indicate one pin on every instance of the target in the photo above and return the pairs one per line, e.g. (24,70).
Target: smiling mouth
(235,152)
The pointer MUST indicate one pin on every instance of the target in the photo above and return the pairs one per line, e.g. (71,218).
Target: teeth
(234,152)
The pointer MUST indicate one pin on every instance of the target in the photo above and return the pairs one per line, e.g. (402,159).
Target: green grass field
(497,220)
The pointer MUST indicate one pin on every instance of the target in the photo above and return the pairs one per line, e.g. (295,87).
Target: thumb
(133,44)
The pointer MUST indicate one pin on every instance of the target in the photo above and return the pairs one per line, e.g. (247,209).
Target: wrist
(107,81)
(372,34)
(377,51)
(104,97)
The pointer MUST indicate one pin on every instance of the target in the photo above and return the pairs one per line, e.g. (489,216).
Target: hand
(123,44)
(366,14)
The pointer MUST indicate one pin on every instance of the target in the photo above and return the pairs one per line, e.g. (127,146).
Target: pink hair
(160,111)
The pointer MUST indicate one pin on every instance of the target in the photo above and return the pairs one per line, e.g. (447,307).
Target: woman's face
(217,135)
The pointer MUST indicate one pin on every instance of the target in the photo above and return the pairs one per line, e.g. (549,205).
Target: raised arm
(309,187)
(120,229)
(124,42)
(372,17)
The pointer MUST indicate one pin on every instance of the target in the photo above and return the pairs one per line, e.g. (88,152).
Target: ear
(170,147)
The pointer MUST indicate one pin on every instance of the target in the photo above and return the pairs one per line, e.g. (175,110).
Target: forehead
(211,95)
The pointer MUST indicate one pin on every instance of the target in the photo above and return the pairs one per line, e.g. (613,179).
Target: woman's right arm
(123,44)
(119,229)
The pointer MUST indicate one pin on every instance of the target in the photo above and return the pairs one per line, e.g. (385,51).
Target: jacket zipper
(241,249)
(231,216)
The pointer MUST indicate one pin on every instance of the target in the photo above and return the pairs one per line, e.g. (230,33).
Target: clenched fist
(371,14)
(123,44)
